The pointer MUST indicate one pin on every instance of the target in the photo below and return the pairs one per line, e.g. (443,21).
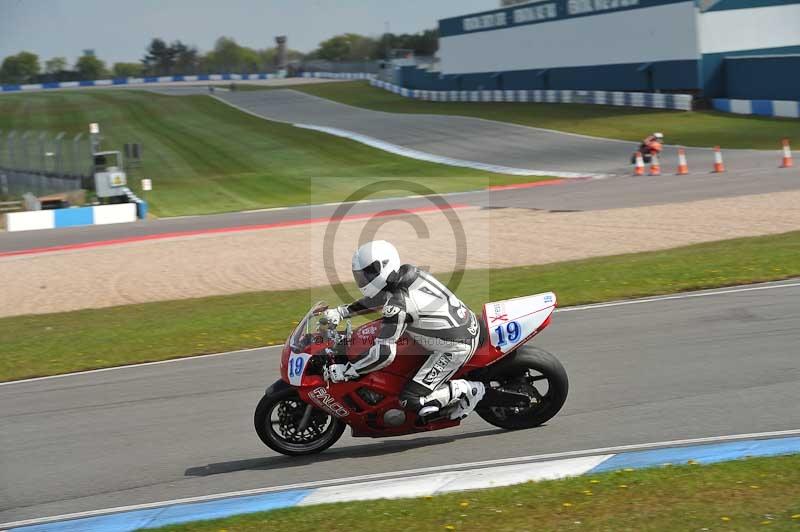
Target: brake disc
(289,415)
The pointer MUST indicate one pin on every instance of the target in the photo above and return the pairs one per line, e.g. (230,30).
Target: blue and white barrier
(782,108)
(136,81)
(420,482)
(682,102)
(338,75)
(141,205)
(73,217)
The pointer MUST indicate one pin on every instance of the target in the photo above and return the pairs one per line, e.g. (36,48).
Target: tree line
(177,58)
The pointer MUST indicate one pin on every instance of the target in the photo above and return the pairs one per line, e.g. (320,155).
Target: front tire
(525,371)
(277,419)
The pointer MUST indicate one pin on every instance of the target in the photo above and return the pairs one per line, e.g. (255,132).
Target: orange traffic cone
(788,162)
(719,167)
(655,165)
(683,167)
(639,169)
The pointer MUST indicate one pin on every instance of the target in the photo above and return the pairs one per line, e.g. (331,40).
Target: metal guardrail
(10,206)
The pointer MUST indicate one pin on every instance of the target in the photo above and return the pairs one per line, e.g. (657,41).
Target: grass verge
(753,494)
(206,157)
(697,128)
(49,344)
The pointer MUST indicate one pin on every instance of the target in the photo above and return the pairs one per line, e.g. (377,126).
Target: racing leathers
(414,301)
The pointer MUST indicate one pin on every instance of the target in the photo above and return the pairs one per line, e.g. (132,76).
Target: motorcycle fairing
(365,419)
(512,322)
(296,364)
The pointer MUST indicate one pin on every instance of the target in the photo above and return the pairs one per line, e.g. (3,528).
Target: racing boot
(464,394)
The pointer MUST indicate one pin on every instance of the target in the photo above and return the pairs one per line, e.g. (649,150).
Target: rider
(415,301)
(652,143)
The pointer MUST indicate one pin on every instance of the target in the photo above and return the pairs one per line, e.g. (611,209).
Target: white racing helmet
(373,264)
(659,136)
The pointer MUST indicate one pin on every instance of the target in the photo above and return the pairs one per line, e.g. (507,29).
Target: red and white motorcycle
(303,414)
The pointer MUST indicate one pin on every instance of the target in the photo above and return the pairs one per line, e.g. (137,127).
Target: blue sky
(119,30)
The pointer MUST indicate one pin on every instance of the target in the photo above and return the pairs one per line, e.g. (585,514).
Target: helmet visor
(367,275)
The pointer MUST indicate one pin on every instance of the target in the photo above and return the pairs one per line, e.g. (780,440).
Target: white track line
(142,364)
(716,292)
(688,295)
(408,473)
(441,159)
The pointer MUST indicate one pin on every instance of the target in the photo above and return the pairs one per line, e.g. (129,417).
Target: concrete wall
(681,102)
(73,217)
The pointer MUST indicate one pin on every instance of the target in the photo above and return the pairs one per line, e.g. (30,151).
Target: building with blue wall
(722,48)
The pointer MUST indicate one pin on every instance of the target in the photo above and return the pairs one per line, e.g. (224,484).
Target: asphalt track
(695,365)
(475,139)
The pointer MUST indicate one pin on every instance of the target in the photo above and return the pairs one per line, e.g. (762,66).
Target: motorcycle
(302,413)
(647,150)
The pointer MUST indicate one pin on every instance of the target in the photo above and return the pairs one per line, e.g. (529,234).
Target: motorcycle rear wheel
(522,371)
(281,434)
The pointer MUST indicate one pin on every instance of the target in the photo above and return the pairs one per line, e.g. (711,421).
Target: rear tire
(325,429)
(527,361)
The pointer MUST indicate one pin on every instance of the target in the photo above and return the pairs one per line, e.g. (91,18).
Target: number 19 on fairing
(512,329)
(295,366)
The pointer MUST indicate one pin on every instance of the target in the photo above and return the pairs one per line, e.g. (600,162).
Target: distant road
(480,140)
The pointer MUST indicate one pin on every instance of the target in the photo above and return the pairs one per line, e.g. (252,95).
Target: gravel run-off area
(292,257)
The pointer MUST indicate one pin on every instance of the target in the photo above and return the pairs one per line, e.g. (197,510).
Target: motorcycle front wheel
(292,427)
(537,374)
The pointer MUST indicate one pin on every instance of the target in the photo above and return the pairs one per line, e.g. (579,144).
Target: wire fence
(42,162)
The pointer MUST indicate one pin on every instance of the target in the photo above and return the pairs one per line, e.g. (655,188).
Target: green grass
(206,157)
(698,128)
(752,494)
(58,343)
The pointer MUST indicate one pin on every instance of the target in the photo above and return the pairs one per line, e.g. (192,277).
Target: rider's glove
(333,315)
(340,373)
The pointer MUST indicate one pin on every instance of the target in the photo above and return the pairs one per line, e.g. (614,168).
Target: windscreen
(298,339)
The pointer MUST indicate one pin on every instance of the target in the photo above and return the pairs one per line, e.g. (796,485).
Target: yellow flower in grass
(464,504)
(566,504)
(628,469)
(725,518)
(594,481)
(796,516)
(623,485)
(449,527)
